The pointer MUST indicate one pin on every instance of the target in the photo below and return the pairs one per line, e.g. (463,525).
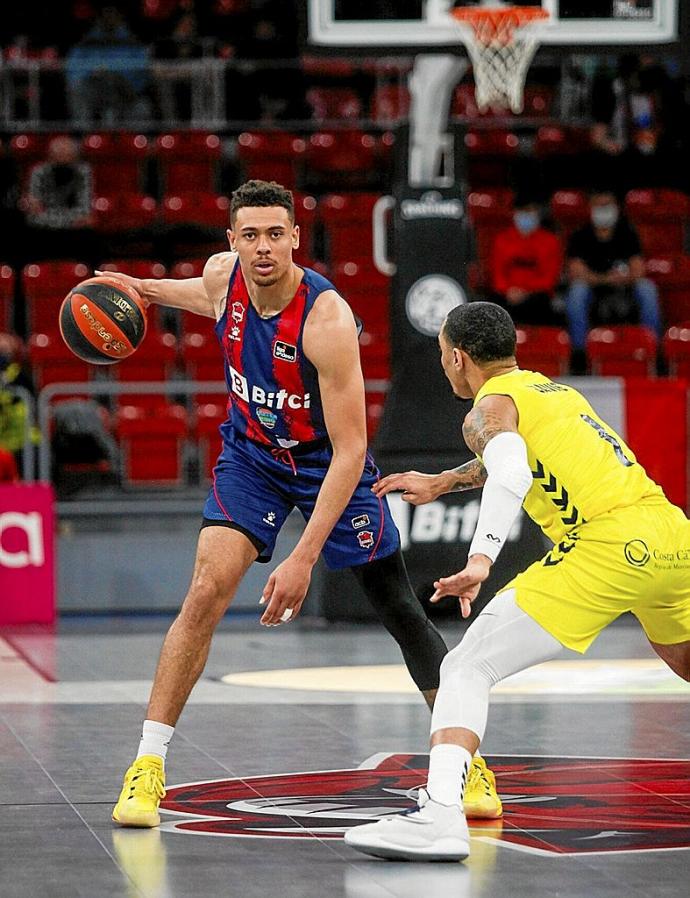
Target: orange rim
(488,22)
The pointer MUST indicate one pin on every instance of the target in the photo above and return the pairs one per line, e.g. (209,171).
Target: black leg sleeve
(390,592)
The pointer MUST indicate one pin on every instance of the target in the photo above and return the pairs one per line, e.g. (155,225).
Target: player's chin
(265,280)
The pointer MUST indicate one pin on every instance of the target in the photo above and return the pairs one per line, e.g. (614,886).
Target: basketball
(103,320)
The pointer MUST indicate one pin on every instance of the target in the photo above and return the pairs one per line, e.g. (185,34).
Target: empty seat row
(619,350)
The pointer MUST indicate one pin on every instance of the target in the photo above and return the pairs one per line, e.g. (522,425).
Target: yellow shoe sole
(143,819)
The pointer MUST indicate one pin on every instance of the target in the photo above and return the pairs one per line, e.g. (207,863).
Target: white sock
(448,769)
(155,738)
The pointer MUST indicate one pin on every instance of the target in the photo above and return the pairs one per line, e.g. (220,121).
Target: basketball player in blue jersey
(295,436)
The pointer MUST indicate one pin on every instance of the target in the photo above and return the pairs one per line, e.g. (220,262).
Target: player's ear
(458,359)
(231,239)
(295,237)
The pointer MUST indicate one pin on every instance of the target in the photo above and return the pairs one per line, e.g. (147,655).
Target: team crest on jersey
(285,351)
(365,538)
(360,521)
(553,806)
(267,418)
(237,312)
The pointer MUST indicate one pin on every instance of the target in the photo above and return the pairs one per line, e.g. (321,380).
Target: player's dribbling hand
(137,283)
(417,488)
(465,584)
(285,591)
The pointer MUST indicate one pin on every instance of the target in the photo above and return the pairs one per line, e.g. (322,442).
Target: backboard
(400,23)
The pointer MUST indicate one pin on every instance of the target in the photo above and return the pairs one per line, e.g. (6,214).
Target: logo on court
(552,805)
(636,553)
(430,299)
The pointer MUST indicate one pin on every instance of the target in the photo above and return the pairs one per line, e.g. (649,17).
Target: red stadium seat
(544,349)
(375,401)
(368,293)
(622,350)
(390,103)
(188,268)
(202,209)
(209,417)
(27,150)
(154,360)
(117,160)
(137,268)
(189,161)
(490,211)
(677,350)
(305,217)
(374,349)
(45,285)
(334,103)
(660,217)
(274,156)
(671,274)
(152,444)
(7,286)
(343,153)
(570,210)
(52,362)
(203,361)
(347,219)
(491,154)
(124,212)
(552,140)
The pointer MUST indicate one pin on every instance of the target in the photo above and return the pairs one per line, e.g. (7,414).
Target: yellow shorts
(631,559)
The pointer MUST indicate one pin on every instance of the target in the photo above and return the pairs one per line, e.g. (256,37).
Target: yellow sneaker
(481,798)
(142,791)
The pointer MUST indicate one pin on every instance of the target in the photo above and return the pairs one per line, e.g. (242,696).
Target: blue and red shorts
(255,488)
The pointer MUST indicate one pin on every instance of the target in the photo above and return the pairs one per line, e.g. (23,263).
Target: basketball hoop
(501,43)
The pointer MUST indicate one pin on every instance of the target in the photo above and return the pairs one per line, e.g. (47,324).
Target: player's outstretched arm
(418,488)
(490,430)
(330,343)
(201,296)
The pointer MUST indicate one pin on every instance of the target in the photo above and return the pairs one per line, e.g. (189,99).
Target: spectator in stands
(60,191)
(630,108)
(526,267)
(174,84)
(107,73)
(58,204)
(605,267)
(13,406)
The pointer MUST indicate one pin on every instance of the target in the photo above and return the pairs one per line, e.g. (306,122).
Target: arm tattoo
(469,476)
(480,426)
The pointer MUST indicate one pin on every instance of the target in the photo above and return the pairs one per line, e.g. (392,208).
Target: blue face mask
(526,222)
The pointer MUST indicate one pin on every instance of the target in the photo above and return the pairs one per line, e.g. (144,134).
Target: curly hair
(262,193)
(483,329)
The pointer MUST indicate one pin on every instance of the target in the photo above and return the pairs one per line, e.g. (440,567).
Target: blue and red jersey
(274,389)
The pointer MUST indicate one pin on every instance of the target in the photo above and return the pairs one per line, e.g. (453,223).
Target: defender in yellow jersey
(619,545)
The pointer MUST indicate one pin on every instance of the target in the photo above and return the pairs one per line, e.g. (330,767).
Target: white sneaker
(431,832)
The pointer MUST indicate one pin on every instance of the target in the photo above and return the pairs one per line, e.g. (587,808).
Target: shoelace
(285,456)
(147,781)
(479,776)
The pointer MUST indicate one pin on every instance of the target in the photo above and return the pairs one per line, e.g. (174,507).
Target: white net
(501,48)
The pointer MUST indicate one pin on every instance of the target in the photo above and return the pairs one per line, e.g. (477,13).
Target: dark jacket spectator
(604,262)
(59,192)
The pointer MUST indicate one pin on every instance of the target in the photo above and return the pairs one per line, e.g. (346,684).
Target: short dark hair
(262,193)
(483,330)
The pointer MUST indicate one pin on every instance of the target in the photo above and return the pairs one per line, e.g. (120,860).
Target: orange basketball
(103,320)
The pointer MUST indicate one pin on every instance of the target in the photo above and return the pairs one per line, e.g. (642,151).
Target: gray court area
(65,745)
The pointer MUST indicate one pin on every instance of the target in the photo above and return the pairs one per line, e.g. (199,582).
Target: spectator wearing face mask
(604,263)
(526,267)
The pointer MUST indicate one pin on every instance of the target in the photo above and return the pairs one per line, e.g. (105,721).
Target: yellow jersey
(580,467)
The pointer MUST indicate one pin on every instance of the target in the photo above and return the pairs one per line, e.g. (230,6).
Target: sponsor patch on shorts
(360,521)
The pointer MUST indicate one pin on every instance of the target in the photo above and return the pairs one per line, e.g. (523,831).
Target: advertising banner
(27,559)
